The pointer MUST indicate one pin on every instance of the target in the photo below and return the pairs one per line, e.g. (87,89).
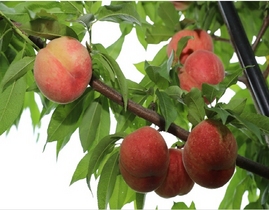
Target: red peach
(201,40)
(177,180)
(200,67)
(210,154)
(144,156)
(181,5)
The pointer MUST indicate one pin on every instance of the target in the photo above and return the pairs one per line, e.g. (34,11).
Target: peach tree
(237,29)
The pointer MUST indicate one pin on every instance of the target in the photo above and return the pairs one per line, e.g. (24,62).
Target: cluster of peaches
(199,64)
(62,71)
(209,155)
(207,158)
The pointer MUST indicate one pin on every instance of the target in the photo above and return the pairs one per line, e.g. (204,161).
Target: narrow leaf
(107,181)
(195,103)
(89,125)
(122,194)
(16,70)
(48,29)
(167,108)
(99,152)
(11,103)
(81,169)
(118,13)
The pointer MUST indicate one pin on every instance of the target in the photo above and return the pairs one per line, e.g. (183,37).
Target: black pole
(246,56)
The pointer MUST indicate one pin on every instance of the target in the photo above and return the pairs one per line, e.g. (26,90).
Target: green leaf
(182,205)
(65,119)
(86,20)
(235,105)
(122,194)
(115,49)
(81,169)
(158,75)
(104,123)
(48,29)
(167,108)
(11,105)
(107,181)
(118,13)
(175,92)
(100,151)
(122,82)
(89,125)
(195,104)
(157,33)
(168,14)
(16,70)
(139,200)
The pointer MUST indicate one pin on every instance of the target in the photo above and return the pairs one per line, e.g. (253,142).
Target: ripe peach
(200,67)
(201,40)
(144,159)
(177,180)
(210,153)
(181,5)
(63,69)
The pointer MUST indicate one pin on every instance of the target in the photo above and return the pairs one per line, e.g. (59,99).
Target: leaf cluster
(92,114)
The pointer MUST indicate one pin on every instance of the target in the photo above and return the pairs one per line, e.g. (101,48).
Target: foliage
(153,22)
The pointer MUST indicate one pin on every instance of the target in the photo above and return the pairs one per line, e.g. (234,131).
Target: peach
(181,5)
(63,69)
(201,40)
(177,180)
(144,159)
(200,67)
(210,153)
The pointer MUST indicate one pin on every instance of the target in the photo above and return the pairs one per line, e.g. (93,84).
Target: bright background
(31,178)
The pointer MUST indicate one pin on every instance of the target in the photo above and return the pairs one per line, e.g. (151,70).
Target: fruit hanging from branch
(210,153)
(199,40)
(63,69)
(144,159)
(177,180)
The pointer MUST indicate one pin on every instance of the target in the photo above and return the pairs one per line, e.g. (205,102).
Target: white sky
(33,179)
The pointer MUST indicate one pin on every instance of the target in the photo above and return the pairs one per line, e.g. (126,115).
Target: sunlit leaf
(121,195)
(81,169)
(107,181)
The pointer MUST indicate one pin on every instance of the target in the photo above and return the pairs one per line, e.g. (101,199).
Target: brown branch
(261,33)
(217,38)
(158,120)
(179,132)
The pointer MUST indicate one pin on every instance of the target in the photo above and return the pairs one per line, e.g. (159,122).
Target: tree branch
(261,33)
(158,120)
(179,132)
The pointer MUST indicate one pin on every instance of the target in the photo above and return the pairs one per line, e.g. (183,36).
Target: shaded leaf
(16,70)
(195,103)
(118,13)
(100,151)
(167,108)
(48,29)
(11,103)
